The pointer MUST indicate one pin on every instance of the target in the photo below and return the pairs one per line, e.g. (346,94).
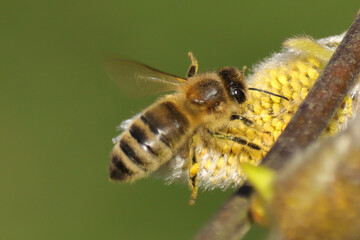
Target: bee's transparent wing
(139,79)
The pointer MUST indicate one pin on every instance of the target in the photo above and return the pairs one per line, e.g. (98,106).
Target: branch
(232,221)
(308,123)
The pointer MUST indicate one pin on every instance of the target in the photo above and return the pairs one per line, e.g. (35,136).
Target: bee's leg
(236,139)
(193,171)
(193,67)
(245,120)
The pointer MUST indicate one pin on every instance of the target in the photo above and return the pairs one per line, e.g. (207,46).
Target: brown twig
(232,221)
(308,123)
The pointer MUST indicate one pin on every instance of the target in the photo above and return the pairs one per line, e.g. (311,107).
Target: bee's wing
(140,79)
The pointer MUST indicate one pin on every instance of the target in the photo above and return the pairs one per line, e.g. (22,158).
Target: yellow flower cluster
(263,117)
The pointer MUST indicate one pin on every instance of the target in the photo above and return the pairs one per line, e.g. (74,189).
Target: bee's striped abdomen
(139,134)
(117,169)
(151,140)
(167,122)
(132,156)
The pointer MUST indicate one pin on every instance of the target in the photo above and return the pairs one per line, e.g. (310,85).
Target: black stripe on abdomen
(151,127)
(117,169)
(167,122)
(130,153)
(140,136)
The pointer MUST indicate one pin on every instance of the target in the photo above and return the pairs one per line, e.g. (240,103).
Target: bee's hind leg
(193,171)
(193,67)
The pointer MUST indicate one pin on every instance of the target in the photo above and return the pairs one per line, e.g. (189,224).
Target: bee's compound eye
(233,80)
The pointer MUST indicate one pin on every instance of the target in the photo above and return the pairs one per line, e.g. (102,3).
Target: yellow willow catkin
(290,73)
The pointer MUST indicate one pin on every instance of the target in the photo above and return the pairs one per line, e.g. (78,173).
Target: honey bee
(202,105)
(215,121)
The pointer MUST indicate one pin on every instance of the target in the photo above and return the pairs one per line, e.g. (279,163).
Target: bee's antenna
(274,94)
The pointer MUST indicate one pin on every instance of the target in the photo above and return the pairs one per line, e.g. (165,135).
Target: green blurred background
(59,109)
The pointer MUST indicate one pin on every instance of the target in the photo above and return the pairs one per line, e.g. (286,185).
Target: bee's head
(234,83)
(211,90)
(215,96)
